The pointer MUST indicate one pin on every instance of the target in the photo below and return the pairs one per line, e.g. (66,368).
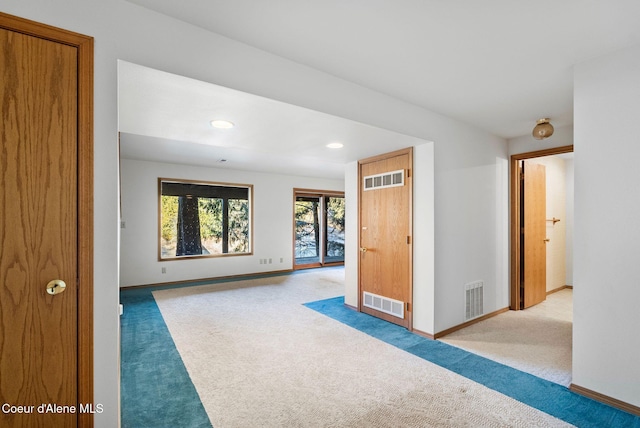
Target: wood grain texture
(514,210)
(47,143)
(385,223)
(84,44)
(515,227)
(535,255)
(610,401)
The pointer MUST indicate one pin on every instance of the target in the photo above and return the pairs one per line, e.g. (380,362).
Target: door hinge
(408,239)
(407,306)
(522,176)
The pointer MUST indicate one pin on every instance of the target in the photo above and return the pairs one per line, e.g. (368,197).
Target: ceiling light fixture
(542,130)
(335,145)
(222,124)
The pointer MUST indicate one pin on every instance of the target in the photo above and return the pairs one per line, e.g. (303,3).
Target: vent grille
(474,299)
(384,304)
(387,179)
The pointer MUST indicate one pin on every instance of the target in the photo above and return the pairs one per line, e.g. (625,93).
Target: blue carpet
(155,387)
(541,394)
(156,390)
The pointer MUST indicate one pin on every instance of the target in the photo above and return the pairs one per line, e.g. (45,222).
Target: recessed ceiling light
(335,145)
(222,124)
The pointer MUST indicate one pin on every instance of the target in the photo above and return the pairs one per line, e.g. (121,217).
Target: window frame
(249,188)
(323,195)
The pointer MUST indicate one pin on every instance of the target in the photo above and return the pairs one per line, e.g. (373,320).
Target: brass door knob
(363,249)
(56,286)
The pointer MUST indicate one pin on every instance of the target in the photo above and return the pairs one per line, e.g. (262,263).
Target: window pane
(168,228)
(319,229)
(210,210)
(307,218)
(202,219)
(335,229)
(238,225)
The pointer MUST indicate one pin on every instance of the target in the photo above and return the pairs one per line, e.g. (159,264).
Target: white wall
(460,226)
(352,245)
(471,225)
(470,179)
(561,137)
(606,342)
(272,222)
(569,181)
(470,164)
(423,237)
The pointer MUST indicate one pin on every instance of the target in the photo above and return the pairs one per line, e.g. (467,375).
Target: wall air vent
(474,299)
(383,304)
(387,179)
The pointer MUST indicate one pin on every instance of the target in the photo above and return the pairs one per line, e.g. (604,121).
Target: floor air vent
(474,300)
(384,304)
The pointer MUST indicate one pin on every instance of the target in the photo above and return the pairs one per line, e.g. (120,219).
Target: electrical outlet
(164,270)
(281,259)
(270,261)
(123,225)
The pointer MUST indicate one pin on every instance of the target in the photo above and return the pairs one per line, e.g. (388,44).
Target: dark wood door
(385,268)
(40,199)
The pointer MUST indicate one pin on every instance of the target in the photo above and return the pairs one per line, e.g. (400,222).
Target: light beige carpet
(537,340)
(259,358)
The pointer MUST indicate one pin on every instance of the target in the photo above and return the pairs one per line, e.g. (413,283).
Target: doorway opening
(318,228)
(531,223)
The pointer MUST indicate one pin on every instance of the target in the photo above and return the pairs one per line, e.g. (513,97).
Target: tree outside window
(319,228)
(204,219)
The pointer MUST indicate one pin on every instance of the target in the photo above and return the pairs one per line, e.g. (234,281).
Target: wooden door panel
(39,223)
(534,246)
(385,230)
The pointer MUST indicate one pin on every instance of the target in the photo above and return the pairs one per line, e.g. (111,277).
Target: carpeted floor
(156,390)
(537,340)
(258,356)
(539,393)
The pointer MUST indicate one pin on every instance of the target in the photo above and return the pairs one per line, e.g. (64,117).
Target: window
(319,229)
(200,219)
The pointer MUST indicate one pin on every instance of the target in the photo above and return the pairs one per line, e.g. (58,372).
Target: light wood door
(39,224)
(534,283)
(385,267)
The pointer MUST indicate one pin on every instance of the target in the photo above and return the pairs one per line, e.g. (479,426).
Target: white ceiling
(164,117)
(496,64)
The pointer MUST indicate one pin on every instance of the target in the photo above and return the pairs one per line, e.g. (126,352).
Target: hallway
(537,340)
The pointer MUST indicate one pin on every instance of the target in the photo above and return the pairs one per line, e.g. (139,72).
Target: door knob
(56,286)
(363,249)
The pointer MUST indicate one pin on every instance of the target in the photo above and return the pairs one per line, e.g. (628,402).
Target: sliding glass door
(318,229)
(334,229)
(307,218)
